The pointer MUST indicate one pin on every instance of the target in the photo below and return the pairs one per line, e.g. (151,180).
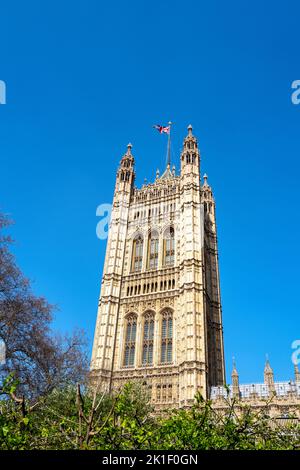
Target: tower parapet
(190,158)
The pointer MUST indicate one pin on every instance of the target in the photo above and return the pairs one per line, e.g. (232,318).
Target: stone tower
(159,318)
(235,382)
(269,376)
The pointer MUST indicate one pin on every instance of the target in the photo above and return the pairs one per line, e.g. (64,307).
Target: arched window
(137,258)
(166,337)
(153,251)
(129,352)
(169,247)
(148,339)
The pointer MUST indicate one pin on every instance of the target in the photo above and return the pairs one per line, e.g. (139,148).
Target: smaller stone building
(281,399)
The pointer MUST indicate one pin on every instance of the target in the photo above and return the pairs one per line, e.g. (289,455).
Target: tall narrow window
(169,247)
(148,339)
(137,260)
(153,251)
(130,341)
(166,337)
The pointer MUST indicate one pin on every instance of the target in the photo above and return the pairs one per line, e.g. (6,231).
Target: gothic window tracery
(137,259)
(153,251)
(130,338)
(167,337)
(169,247)
(148,339)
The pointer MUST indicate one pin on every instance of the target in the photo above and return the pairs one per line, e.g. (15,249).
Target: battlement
(259,390)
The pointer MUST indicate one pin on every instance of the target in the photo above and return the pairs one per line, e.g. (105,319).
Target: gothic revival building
(281,400)
(159,317)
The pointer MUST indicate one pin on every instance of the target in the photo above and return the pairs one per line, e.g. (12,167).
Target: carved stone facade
(281,400)
(159,317)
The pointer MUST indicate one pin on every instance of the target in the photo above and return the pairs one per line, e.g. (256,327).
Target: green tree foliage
(74,419)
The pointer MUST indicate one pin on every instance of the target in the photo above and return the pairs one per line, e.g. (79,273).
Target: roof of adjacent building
(260,389)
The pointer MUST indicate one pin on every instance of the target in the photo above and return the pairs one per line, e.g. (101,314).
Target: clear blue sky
(84,78)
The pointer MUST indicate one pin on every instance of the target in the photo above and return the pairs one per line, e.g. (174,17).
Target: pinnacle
(268,367)
(234,370)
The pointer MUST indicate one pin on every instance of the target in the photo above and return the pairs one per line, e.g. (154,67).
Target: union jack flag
(162,129)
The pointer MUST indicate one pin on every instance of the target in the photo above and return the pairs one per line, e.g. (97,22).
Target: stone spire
(269,376)
(167,174)
(128,155)
(234,372)
(235,381)
(190,155)
(126,174)
(297,373)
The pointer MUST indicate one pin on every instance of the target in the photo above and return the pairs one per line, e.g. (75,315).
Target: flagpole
(169,147)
